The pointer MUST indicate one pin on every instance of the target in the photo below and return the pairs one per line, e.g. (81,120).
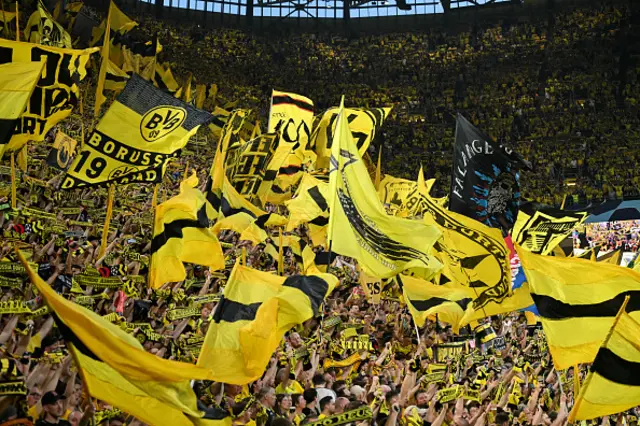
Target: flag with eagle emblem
(358,224)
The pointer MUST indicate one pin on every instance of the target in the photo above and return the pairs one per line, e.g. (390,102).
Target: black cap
(51,398)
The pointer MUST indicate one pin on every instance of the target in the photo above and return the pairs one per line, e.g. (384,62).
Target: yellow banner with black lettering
(140,132)
(56,92)
(246,163)
(61,151)
(364,123)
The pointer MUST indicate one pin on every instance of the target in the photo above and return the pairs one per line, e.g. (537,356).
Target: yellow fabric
(576,282)
(17,82)
(237,347)
(425,300)
(266,189)
(198,243)
(613,258)
(43,29)
(104,64)
(68,68)
(139,64)
(115,78)
(293,122)
(303,208)
(601,396)
(7,17)
(542,232)
(473,255)
(119,22)
(383,245)
(129,146)
(364,124)
(293,387)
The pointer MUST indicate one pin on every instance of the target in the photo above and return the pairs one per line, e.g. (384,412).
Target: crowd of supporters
(553,89)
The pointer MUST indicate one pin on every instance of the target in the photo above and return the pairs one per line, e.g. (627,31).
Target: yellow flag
(309,202)
(135,138)
(613,383)
(181,234)
(573,295)
(42,28)
(358,225)
(116,369)
(64,69)
(425,300)
(17,82)
(613,257)
(473,254)
(163,79)
(119,22)
(252,317)
(364,123)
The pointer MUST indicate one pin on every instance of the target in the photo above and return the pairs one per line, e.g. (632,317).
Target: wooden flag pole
(17,22)
(13,181)
(154,200)
(186,171)
(244,256)
(280,254)
(107,221)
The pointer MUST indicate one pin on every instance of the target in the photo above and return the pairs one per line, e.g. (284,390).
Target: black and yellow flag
(115,78)
(115,367)
(614,257)
(71,11)
(613,383)
(309,202)
(163,79)
(247,162)
(61,152)
(56,91)
(135,138)
(17,82)
(119,23)
(393,192)
(364,123)
(43,29)
(291,115)
(426,300)
(140,58)
(249,322)
(573,295)
(541,230)
(358,225)
(473,254)
(181,234)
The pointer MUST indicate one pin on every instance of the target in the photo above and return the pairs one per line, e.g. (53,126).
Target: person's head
(310,396)
(328,379)
(267,396)
(297,399)
(319,381)
(52,405)
(340,388)
(357,392)
(340,405)
(34,396)
(283,375)
(327,406)
(502,419)
(422,399)
(284,402)
(473,407)
(295,340)
(75,417)
(392,397)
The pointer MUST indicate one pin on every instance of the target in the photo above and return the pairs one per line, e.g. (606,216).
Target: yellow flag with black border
(42,28)
(57,87)
(135,139)
(249,322)
(573,295)
(358,225)
(17,82)
(613,383)
(309,202)
(115,367)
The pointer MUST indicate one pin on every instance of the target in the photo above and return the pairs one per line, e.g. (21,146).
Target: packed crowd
(609,236)
(358,352)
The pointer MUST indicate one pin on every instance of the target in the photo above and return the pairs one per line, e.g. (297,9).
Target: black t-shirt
(61,422)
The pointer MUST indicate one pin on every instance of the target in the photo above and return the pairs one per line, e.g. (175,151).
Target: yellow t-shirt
(293,387)
(32,413)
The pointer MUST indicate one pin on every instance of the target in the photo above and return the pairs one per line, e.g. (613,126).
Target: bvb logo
(160,121)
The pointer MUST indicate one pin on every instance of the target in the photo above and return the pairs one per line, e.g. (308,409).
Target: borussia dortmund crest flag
(484,184)
(358,225)
(138,134)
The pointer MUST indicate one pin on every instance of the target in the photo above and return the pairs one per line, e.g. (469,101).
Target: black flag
(484,183)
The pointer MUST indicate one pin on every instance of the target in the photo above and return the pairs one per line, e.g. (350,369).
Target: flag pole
(13,181)
(154,200)
(578,399)
(107,221)
(17,22)
(244,256)
(280,253)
